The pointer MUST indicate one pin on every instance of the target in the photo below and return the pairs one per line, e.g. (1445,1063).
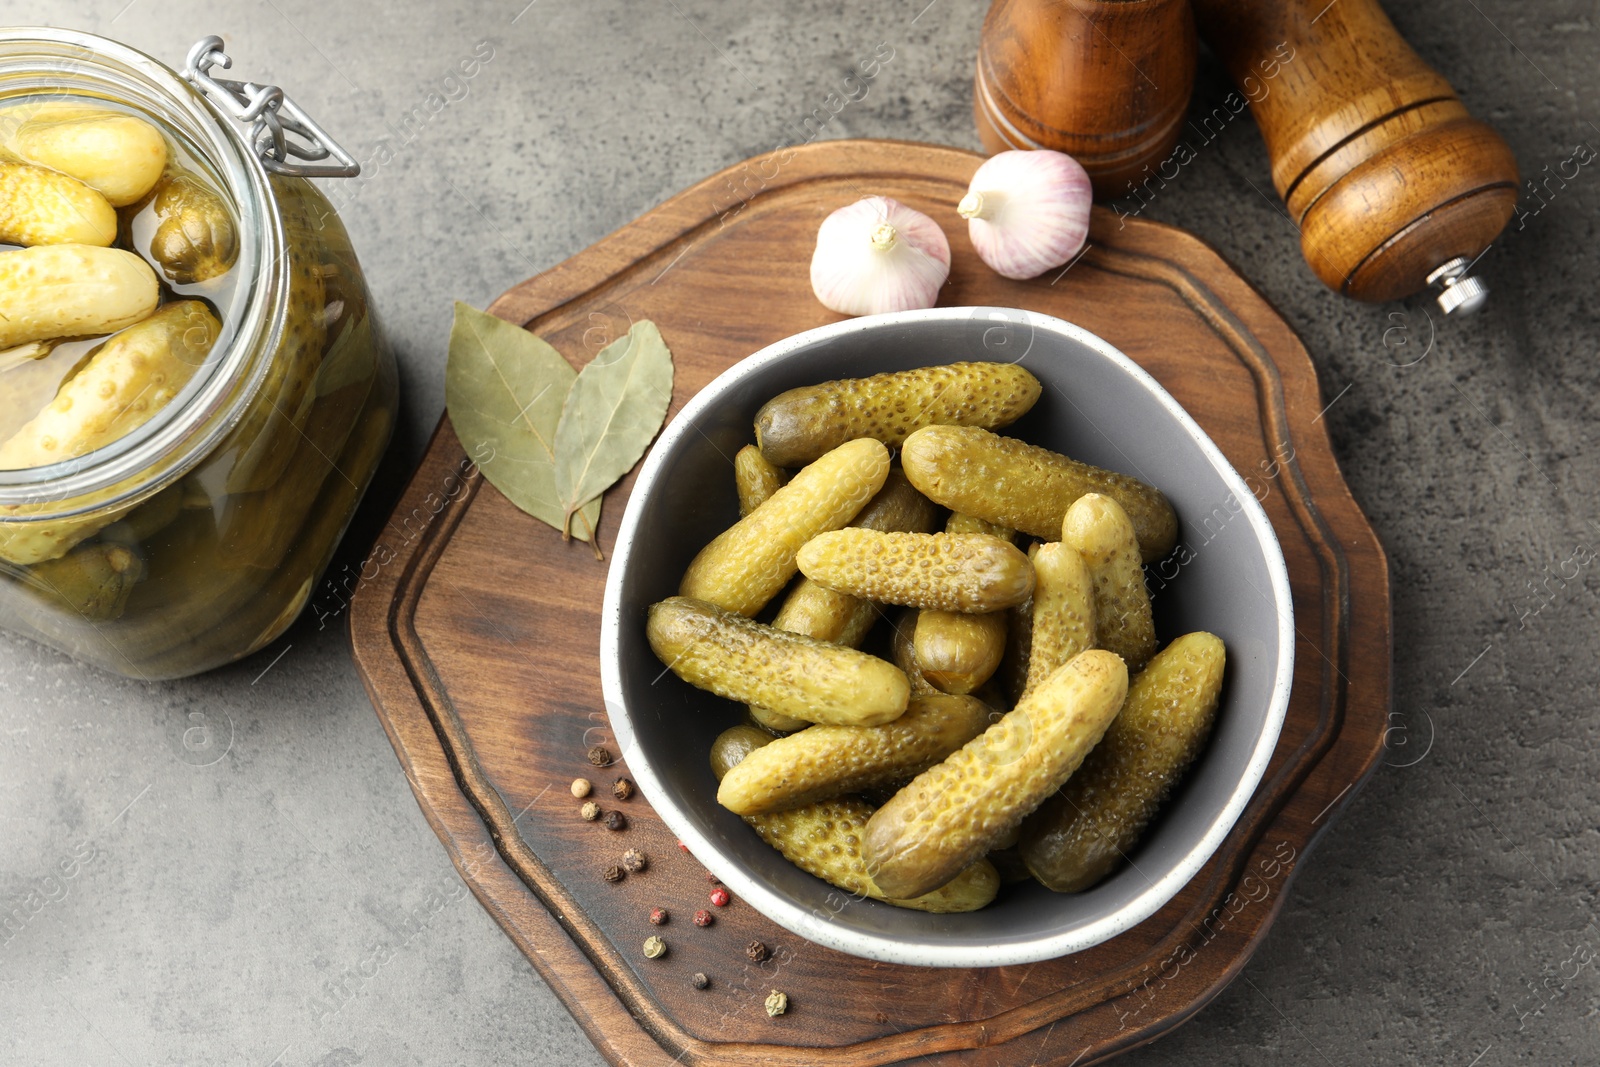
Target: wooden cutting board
(477,632)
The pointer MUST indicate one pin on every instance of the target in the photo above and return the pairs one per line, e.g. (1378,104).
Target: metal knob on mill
(1393,185)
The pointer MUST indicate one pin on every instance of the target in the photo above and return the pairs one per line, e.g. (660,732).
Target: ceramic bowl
(1097,406)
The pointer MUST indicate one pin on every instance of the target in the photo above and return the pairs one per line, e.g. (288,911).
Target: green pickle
(1083,833)
(796,427)
(737,658)
(1024,487)
(216,561)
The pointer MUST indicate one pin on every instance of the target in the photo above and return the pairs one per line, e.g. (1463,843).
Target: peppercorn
(720,897)
(700,981)
(777,1003)
(590,810)
(581,787)
(622,789)
(613,874)
(615,820)
(635,860)
(703,918)
(658,916)
(654,947)
(756,951)
(683,846)
(600,756)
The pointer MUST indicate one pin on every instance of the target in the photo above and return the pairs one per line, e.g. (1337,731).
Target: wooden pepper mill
(1393,184)
(1106,81)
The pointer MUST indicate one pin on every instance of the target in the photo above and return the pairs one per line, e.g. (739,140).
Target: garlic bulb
(1027,212)
(878,255)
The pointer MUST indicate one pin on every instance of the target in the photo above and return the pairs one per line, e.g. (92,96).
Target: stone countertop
(252,880)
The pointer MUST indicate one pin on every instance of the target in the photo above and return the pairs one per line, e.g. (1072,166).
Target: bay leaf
(504,389)
(610,416)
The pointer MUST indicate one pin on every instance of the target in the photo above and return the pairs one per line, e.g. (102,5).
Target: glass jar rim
(173,442)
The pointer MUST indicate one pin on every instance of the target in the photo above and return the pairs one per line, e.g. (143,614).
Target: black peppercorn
(600,756)
(615,820)
(613,874)
(700,981)
(635,860)
(622,789)
(756,951)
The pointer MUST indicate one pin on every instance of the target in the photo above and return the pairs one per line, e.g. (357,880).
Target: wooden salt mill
(1106,81)
(1393,185)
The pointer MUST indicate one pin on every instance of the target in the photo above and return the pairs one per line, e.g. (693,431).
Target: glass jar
(198,537)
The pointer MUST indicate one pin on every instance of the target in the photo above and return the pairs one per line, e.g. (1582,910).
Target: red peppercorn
(703,918)
(658,916)
(720,897)
(683,846)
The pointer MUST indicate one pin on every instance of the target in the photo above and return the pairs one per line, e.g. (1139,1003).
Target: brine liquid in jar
(124,296)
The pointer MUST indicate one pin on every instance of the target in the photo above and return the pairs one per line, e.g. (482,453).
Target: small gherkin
(1101,532)
(750,562)
(93,581)
(945,572)
(44,207)
(956,811)
(959,651)
(824,840)
(124,382)
(755,479)
(196,239)
(1025,487)
(1080,835)
(798,426)
(740,659)
(1061,623)
(820,612)
(824,762)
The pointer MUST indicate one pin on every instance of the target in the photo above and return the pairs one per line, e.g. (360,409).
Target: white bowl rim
(803,922)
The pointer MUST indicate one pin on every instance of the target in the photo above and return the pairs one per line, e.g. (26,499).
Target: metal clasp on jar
(272,115)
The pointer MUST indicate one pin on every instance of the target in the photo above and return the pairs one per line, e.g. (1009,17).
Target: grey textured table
(251,881)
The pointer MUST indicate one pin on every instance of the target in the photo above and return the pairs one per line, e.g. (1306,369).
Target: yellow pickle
(1081,835)
(945,572)
(194,393)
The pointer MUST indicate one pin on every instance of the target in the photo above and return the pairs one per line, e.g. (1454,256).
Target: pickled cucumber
(958,810)
(755,479)
(819,612)
(946,572)
(119,156)
(92,581)
(734,657)
(1081,835)
(958,652)
(196,239)
(775,722)
(960,523)
(824,840)
(902,650)
(72,291)
(270,434)
(1027,488)
(747,564)
(824,762)
(733,745)
(798,426)
(1062,622)
(41,207)
(1098,528)
(124,383)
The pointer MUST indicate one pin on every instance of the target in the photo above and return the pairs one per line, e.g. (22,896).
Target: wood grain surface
(1380,165)
(477,635)
(1106,81)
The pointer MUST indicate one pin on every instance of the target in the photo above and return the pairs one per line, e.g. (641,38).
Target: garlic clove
(878,255)
(1027,212)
